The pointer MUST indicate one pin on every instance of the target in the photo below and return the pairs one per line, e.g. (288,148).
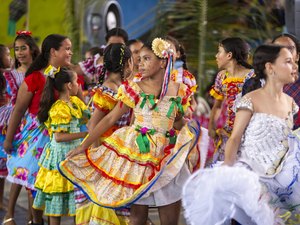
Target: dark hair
(34,49)
(179,48)
(2,78)
(48,96)
(239,49)
(96,50)
(117,31)
(51,41)
(294,39)
(262,55)
(114,60)
(132,41)
(3,49)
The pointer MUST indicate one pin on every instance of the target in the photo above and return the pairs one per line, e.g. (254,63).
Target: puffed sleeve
(104,100)
(59,118)
(32,82)
(80,110)
(190,80)
(244,103)
(185,93)
(216,90)
(128,94)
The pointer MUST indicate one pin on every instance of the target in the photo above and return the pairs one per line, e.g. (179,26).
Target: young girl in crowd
(5,63)
(234,70)
(118,66)
(142,164)
(25,148)
(261,142)
(62,117)
(25,51)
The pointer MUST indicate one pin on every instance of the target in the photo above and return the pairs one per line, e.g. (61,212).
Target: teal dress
(55,194)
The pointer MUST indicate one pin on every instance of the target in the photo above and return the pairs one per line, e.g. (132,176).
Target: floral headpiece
(24,32)
(50,71)
(161,49)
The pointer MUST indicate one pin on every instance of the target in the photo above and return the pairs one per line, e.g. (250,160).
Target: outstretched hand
(75,151)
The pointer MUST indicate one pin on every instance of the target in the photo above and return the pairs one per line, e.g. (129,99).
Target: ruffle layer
(51,182)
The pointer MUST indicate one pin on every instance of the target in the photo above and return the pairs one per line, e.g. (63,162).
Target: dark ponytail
(239,48)
(42,60)
(48,96)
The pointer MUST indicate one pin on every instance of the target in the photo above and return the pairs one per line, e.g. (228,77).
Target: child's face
(22,52)
(149,64)
(74,85)
(6,59)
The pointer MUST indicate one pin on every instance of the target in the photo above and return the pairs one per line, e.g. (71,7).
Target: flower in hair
(24,32)
(50,71)
(161,48)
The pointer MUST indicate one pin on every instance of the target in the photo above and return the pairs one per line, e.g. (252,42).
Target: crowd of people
(104,139)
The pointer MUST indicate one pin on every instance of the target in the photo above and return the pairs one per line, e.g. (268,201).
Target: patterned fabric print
(13,82)
(22,164)
(87,213)
(55,194)
(181,75)
(227,88)
(3,168)
(105,100)
(91,69)
(100,175)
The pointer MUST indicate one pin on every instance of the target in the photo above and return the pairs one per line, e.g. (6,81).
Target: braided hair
(115,58)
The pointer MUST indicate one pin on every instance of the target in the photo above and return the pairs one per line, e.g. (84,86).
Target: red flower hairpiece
(24,32)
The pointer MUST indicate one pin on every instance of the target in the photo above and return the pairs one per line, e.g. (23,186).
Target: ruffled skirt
(28,145)
(116,174)
(237,192)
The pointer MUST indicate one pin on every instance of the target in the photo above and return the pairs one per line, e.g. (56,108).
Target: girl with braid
(234,71)
(118,66)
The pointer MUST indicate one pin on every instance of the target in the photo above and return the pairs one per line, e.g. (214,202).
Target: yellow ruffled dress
(55,194)
(104,99)
(138,160)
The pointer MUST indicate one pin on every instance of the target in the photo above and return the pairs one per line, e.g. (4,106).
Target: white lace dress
(264,178)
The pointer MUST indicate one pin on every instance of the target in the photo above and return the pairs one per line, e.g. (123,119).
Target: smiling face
(222,57)
(284,68)
(22,52)
(63,55)
(150,65)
